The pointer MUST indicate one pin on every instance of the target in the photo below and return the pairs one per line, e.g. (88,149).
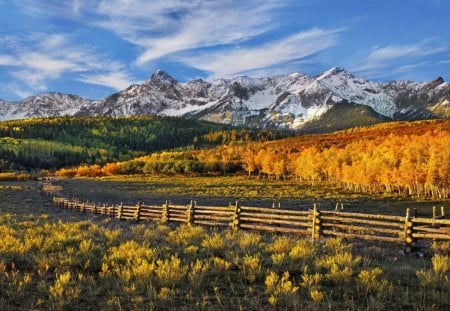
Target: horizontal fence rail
(314,223)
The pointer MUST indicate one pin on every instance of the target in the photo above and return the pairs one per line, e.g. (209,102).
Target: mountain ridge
(285,101)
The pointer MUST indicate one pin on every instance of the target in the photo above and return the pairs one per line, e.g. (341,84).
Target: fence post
(137,212)
(315,226)
(120,212)
(165,212)
(442,212)
(190,213)
(237,216)
(339,207)
(434,216)
(84,207)
(94,211)
(409,240)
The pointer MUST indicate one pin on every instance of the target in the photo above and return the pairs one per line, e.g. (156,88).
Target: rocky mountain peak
(436,82)
(162,77)
(335,71)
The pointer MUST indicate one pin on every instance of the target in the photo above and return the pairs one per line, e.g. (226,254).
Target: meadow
(222,190)
(60,260)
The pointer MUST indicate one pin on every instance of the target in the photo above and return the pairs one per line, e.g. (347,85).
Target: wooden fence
(313,223)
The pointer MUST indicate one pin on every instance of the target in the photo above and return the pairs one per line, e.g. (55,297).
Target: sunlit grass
(53,259)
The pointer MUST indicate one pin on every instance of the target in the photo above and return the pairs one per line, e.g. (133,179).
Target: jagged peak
(333,72)
(438,81)
(162,76)
(197,81)
(295,75)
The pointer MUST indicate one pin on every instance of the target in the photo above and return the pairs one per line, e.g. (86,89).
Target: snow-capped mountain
(287,101)
(44,105)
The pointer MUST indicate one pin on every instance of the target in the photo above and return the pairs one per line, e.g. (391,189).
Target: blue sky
(93,48)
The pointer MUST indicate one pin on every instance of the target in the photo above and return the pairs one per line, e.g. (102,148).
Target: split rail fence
(407,229)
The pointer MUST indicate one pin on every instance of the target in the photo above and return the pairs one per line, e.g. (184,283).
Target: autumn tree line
(406,158)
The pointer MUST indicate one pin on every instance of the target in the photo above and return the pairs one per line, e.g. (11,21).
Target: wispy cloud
(17,89)
(115,79)
(39,58)
(171,26)
(212,25)
(8,60)
(246,60)
(391,60)
(187,24)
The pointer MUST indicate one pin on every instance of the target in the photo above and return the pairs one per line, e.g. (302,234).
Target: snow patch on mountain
(286,101)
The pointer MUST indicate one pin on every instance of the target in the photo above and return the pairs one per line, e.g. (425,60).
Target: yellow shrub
(372,281)
(248,240)
(311,280)
(282,244)
(279,258)
(221,264)
(281,290)
(251,266)
(186,235)
(440,263)
(316,295)
(303,249)
(214,242)
(197,271)
(170,271)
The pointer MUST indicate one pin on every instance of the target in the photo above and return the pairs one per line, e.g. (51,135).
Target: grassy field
(220,191)
(54,259)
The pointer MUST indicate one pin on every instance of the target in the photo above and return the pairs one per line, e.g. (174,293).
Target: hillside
(70,141)
(66,141)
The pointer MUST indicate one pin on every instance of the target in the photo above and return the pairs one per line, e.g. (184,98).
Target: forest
(407,158)
(51,143)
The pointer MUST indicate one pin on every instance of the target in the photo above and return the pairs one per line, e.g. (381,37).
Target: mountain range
(334,99)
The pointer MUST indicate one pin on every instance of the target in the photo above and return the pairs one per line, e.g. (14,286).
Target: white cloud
(163,27)
(239,60)
(210,26)
(17,89)
(41,58)
(77,6)
(392,53)
(116,80)
(393,59)
(8,60)
(32,79)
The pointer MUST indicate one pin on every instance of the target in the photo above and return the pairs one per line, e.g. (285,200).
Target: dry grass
(220,191)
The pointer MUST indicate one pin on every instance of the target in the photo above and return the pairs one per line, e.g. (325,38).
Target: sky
(94,48)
